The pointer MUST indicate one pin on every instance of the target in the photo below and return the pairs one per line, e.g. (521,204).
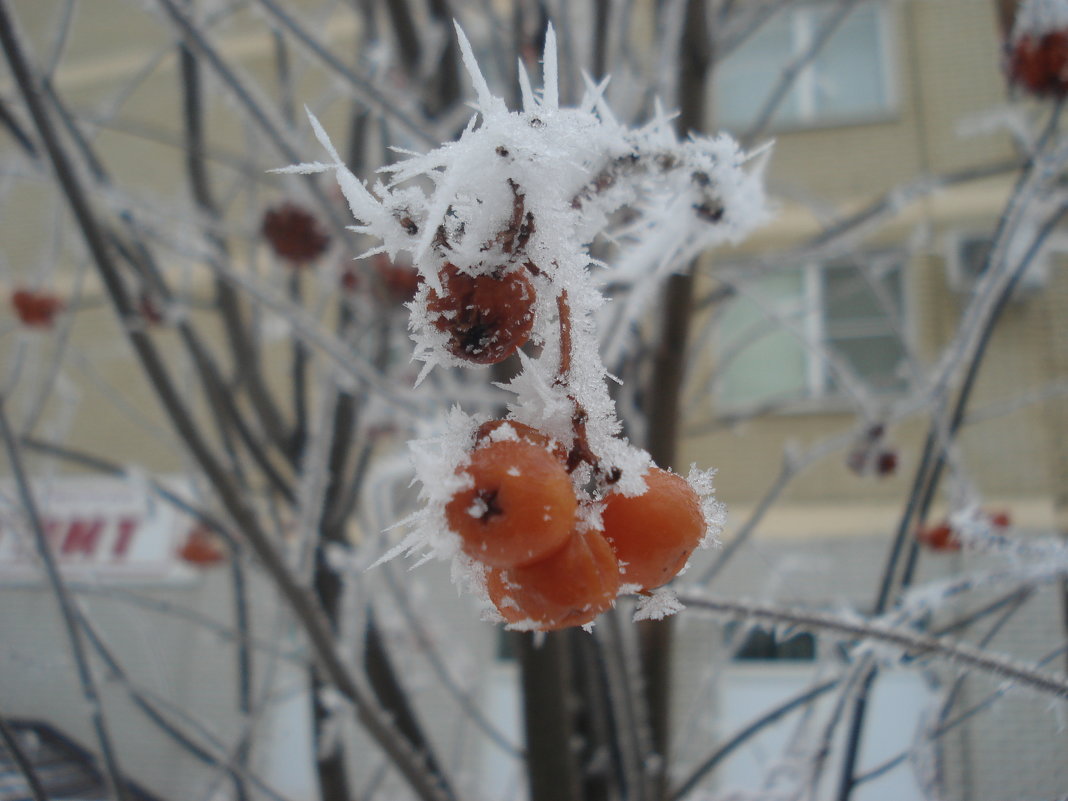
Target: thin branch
(304,607)
(913,644)
(795,68)
(368,92)
(747,732)
(87,681)
(243,351)
(23,763)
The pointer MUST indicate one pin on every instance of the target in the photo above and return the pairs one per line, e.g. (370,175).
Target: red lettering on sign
(127,529)
(82,537)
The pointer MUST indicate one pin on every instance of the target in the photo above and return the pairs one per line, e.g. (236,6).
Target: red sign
(99,528)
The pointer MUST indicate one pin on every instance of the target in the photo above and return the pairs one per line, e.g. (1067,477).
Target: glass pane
(744,81)
(760,359)
(853,307)
(875,360)
(849,73)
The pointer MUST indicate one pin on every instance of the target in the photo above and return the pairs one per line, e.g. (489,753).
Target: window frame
(808,117)
(820,393)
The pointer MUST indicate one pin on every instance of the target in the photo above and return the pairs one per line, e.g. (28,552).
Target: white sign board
(96,528)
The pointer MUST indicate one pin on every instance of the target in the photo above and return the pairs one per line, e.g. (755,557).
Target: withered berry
(520,508)
(653,534)
(569,588)
(486,317)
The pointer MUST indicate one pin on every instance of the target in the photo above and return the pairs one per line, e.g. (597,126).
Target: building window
(813,333)
(762,644)
(849,80)
(968,255)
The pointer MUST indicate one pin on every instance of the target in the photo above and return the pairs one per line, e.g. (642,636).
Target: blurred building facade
(901,93)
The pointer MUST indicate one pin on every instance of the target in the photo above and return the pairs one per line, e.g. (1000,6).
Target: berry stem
(580,448)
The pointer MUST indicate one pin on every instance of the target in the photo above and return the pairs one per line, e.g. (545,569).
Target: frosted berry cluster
(550,513)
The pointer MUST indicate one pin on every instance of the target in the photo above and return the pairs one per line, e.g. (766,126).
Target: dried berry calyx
(569,588)
(486,317)
(520,507)
(653,534)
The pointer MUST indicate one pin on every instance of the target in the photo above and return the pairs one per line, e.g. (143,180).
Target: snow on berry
(498,225)
(1039,17)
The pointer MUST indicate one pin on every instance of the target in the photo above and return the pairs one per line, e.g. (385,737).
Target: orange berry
(202,548)
(569,588)
(653,534)
(487,317)
(520,509)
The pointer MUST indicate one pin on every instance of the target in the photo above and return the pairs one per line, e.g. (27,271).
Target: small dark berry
(36,309)
(294,234)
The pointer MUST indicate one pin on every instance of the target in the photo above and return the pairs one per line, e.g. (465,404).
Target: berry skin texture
(486,317)
(653,534)
(35,309)
(569,588)
(520,509)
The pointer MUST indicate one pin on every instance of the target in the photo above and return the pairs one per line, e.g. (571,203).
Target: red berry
(202,548)
(653,534)
(486,317)
(569,588)
(886,463)
(36,309)
(294,234)
(940,537)
(520,508)
(1039,64)
(1000,519)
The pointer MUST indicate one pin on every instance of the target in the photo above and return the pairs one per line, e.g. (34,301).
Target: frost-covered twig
(443,672)
(87,680)
(747,732)
(876,631)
